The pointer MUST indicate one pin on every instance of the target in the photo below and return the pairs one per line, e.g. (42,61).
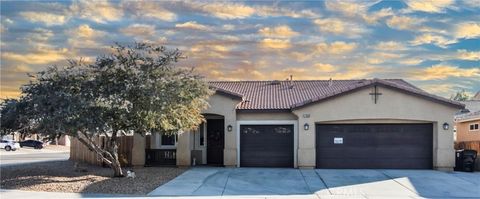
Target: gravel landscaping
(60,176)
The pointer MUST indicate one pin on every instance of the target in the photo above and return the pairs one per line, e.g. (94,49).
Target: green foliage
(460,96)
(136,88)
(14,117)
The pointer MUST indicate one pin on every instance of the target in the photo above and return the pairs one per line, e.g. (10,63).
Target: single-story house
(368,123)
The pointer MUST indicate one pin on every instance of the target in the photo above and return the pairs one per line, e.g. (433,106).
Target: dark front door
(266,146)
(374,146)
(215,141)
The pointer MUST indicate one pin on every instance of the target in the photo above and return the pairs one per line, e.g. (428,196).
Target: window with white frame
(474,127)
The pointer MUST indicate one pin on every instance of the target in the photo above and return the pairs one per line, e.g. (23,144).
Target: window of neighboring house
(474,127)
(202,134)
(168,140)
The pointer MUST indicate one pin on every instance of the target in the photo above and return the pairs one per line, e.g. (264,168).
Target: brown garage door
(362,146)
(266,145)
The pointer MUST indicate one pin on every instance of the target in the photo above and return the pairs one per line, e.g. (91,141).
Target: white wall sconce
(306,127)
(446,126)
(229,128)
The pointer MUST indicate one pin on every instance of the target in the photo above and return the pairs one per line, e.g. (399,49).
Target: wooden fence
(472,145)
(80,153)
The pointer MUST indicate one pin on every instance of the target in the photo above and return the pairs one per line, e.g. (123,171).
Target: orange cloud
(193,25)
(337,47)
(468,30)
(275,43)
(40,56)
(325,67)
(48,19)
(443,72)
(429,6)
(283,31)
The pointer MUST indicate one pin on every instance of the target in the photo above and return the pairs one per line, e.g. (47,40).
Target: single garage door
(364,146)
(266,145)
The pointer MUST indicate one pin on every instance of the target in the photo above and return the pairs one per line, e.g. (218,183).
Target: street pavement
(29,155)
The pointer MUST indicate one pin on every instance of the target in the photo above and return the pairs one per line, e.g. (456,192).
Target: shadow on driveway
(321,182)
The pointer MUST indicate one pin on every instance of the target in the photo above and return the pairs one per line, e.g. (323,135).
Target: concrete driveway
(321,183)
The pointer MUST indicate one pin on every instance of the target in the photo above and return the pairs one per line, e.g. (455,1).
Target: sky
(433,44)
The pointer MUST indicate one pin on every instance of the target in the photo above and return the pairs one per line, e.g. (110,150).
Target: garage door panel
(266,146)
(370,152)
(375,145)
(393,163)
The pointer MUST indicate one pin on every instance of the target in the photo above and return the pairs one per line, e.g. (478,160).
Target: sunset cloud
(283,31)
(337,47)
(48,19)
(226,10)
(429,6)
(97,11)
(444,71)
(403,22)
(338,26)
(148,9)
(275,43)
(324,67)
(468,55)
(468,30)
(138,30)
(193,25)
(432,39)
(39,56)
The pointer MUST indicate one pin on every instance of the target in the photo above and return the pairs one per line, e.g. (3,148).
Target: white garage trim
(270,122)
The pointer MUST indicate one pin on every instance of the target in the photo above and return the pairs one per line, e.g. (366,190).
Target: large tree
(136,89)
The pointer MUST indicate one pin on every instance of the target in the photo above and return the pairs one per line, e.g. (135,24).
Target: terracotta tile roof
(286,95)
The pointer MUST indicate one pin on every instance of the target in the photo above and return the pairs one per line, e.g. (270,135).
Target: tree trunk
(115,163)
(108,153)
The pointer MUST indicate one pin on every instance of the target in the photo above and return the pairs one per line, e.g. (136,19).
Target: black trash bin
(469,157)
(458,160)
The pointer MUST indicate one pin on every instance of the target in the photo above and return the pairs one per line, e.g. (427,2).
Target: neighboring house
(467,127)
(468,120)
(377,123)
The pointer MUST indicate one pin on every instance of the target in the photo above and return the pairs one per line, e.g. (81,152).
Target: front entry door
(215,141)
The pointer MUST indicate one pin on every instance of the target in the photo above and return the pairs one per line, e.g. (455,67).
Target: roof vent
(275,82)
(330,82)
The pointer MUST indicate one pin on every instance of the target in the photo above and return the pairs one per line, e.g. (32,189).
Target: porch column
(138,150)
(184,144)
(306,143)
(230,151)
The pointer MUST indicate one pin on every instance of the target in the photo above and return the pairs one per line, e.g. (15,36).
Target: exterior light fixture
(306,126)
(445,126)
(229,128)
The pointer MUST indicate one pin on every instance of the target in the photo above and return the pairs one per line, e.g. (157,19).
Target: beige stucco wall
(392,106)
(220,105)
(463,131)
(266,116)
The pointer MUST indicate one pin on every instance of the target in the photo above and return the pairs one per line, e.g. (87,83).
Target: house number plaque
(337,140)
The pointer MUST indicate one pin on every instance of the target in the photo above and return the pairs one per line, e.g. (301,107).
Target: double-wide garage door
(357,146)
(266,146)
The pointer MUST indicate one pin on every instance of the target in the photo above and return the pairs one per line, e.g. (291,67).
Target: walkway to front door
(208,181)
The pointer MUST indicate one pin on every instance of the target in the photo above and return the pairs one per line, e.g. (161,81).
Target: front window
(474,127)
(168,140)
